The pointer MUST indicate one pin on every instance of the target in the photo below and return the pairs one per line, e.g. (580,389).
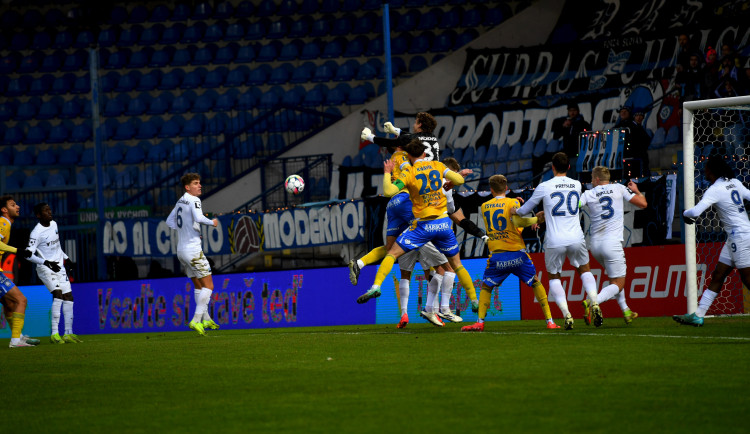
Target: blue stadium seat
(69,157)
(172,34)
(291,50)
(215,32)
(49,109)
(257,30)
(310,51)
(63,40)
(300,28)
(356,47)
(248,100)
(141,58)
(18,86)
(161,58)
(193,127)
(60,132)
(408,21)
(216,77)
(194,33)
(554,145)
(315,97)
(134,154)
(673,135)
(182,103)
(137,106)
(149,81)
(259,75)
(342,26)
(400,44)
(117,59)
(52,62)
(183,56)
(364,24)
(321,26)
(126,130)
(129,36)
(8,111)
(9,63)
(430,19)
(181,12)
(84,39)
(309,7)
(158,152)
(266,8)
(281,74)
(226,101)
(539,148)
(30,63)
(46,157)
(464,38)
(172,127)
(225,55)
(451,19)
(527,150)
(160,104)
(13,135)
(495,16)
(151,35)
(357,96)
(139,14)
(178,152)
(128,82)
(32,18)
(41,41)
(149,128)
(23,157)
(325,72)
(194,78)
(368,71)
(303,73)
(172,79)
(106,38)
(338,95)
(159,14)
(468,155)
(202,11)
(444,41)
(245,9)
(26,110)
(237,76)
(279,28)
(515,152)
(224,10)
(293,97)
(81,133)
(333,49)
(81,85)
(347,71)
(108,128)
(19,41)
(75,61)
(33,181)
(235,31)
(71,109)
(502,152)
(216,125)
(659,139)
(269,52)
(87,158)
(421,43)
(246,54)
(205,102)
(271,98)
(417,64)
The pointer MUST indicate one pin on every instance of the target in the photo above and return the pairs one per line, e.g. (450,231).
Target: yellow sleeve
(454,177)
(388,187)
(6,248)
(522,222)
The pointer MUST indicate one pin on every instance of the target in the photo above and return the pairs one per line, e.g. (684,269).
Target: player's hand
(367,135)
(388,166)
(534,227)
(634,187)
(540,216)
(688,220)
(390,129)
(54,266)
(448,185)
(216,222)
(465,172)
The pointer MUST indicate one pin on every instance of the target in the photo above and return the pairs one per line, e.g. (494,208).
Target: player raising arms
(13,300)
(727,194)
(560,197)
(185,217)
(507,252)
(604,202)
(45,251)
(424,180)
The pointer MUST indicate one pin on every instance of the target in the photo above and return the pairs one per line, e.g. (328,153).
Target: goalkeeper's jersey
(432,148)
(400,162)
(504,235)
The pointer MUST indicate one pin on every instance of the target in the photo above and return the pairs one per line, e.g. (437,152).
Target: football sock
(434,289)
(206,316)
(446,288)
(200,305)
(56,307)
(384,269)
(558,293)
(403,287)
(607,293)
(589,285)
(621,301)
(67,308)
(17,325)
(465,280)
(485,297)
(373,256)
(429,301)
(541,296)
(706,299)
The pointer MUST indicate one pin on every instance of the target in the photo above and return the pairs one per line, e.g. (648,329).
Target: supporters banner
(300,298)
(242,233)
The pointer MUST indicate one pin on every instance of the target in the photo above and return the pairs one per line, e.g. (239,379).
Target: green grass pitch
(653,376)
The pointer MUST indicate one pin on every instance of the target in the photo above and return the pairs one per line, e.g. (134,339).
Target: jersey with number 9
(424,180)
(504,235)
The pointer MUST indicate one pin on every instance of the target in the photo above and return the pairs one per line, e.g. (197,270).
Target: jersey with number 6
(727,195)
(560,196)
(504,235)
(186,212)
(605,203)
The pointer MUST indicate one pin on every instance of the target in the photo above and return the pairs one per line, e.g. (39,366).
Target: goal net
(712,127)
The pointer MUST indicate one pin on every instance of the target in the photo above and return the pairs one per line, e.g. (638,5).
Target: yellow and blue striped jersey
(504,235)
(400,163)
(424,180)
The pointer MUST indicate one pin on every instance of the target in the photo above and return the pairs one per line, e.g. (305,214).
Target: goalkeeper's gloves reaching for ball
(389,128)
(54,266)
(367,135)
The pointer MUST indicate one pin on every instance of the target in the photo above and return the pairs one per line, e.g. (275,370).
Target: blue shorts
(501,265)
(5,284)
(399,214)
(439,231)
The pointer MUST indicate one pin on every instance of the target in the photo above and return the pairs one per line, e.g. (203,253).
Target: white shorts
(736,251)
(54,281)
(195,263)
(428,255)
(610,254)
(554,257)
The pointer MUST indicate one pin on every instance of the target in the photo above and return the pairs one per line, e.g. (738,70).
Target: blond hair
(601,172)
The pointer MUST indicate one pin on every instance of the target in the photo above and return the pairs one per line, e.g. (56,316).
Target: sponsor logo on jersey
(436,227)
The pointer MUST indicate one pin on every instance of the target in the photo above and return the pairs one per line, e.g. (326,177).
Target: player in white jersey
(605,204)
(727,194)
(560,196)
(186,218)
(45,251)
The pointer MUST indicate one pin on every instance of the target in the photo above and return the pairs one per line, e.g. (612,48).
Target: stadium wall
(427,90)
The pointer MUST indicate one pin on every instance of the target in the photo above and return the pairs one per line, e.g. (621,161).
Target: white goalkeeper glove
(390,129)
(367,135)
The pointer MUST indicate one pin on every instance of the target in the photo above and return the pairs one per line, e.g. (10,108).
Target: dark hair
(427,122)
(719,167)
(572,105)
(415,148)
(188,178)
(4,200)
(452,164)
(560,162)
(39,207)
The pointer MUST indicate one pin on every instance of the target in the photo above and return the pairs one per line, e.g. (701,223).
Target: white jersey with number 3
(727,195)
(560,196)
(605,203)
(186,212)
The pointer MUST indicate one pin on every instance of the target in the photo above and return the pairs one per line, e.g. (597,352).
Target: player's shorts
(736,251)
(399,214)
(576,253)
(428,256)
(5,284)
(54,281)
(610,254)
(439,231)
(501,265)
(195,263)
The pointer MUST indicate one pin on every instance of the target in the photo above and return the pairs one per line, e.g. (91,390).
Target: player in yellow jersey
(507,252)
(13,300)
(424,181)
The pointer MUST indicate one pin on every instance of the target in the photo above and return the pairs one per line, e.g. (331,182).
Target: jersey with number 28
(424,180)
(560,196)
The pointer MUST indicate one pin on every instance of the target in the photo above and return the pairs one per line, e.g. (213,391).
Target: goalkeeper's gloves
(688,220)
(389,128)
(367,135)
(54,266)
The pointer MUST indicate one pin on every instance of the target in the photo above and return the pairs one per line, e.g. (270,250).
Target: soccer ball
(294,184)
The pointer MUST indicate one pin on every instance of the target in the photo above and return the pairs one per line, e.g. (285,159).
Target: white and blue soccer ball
(294,184)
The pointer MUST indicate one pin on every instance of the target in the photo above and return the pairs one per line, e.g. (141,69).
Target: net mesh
(719,131)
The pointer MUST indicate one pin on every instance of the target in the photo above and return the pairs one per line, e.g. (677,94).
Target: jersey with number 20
(560,196)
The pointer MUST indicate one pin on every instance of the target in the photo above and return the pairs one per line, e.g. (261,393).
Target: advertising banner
(37,321)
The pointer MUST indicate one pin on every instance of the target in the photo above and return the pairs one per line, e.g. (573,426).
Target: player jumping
(604,202)
(727,194)
(185,217)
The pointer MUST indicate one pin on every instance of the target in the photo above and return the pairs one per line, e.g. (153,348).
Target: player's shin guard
(206,316)
(67,307)
(200,304)
(541,295)
(384,269)
(607,293)
(465,280)
(56,308)
(446,288)
(485,297)
(589,285)
(403,295)
(17,324)
(434,290)
(374,255)
(558,293)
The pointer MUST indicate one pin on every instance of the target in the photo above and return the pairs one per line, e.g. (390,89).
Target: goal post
(711,127)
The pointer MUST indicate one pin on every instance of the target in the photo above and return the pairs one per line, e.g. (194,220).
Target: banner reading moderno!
(242,233)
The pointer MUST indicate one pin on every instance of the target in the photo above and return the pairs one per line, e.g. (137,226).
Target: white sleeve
(708,199)
(32,247)
(533,201)
(584,199)
(744,191)
(170,220)
(198,214)
(627,193)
